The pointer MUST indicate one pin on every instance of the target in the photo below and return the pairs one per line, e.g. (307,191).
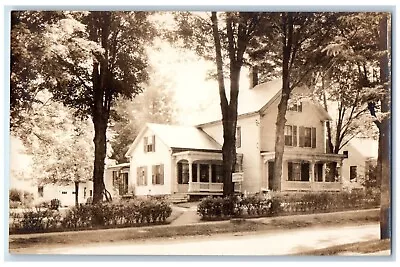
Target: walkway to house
(189,213)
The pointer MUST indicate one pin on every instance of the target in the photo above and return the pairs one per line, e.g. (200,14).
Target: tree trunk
(287,24)
(102,95)
(384,136)
(76,193)
(100,127)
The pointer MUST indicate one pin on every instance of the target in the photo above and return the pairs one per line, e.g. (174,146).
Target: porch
(305,172)
(199,173)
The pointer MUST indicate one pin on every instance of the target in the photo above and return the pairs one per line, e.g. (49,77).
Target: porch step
(178,198)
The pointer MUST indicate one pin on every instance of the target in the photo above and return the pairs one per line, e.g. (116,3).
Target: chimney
(253,76)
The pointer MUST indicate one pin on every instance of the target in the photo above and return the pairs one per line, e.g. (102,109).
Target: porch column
(190,175)
(209,174)
(175,175)
(312,171)
(323,171)
(340,171)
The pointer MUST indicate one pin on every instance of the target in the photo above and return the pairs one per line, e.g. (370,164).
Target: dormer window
(297,107)
(149,143)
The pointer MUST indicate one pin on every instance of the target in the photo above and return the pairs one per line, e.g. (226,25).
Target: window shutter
(162,174)
(154,143)
(145,143)
(290,171)
(238,137)
(153,174)
(313,137)
(294,135)
(138,175)
(145,175)
(301,136)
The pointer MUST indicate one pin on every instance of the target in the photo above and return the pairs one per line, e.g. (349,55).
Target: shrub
(38,220)
(14,204)
(54,204)
(15,195)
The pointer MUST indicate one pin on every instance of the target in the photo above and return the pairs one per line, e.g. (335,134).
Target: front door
(271,165)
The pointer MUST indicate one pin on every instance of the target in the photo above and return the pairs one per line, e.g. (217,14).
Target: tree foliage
(92,58)
(156,105)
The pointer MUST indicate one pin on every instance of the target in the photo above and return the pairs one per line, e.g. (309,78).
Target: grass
(18,242)
(353,248)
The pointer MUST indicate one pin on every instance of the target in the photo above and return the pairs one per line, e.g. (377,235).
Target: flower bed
(104,215)
(285,204)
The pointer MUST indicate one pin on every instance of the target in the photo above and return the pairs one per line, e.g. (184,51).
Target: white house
(186,160)
(361,155)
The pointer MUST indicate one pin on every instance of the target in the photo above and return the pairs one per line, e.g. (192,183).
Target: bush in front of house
(286,204)
(120,214)
(20,198)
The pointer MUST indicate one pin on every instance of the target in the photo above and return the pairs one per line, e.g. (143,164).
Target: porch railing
(206,187)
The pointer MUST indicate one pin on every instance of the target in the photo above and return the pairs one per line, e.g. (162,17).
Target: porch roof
(325,157)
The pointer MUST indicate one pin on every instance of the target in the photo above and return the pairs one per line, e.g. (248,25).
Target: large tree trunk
(287,23)
(76,193)
(100,127)
(384,136)
(102,95)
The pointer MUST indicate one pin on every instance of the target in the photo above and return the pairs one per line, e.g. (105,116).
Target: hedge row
(283,204)
(125,213)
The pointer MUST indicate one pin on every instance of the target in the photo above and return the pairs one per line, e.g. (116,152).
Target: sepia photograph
(237,132)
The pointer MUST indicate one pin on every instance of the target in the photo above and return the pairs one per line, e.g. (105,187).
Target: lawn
(200,229)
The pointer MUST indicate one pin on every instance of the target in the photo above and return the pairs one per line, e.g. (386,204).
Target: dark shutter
(138,175)
(162,174)
(154,143)
(313,137)
(153,174)
(145,143)
(290,171)
(238,137)
(145,175)
(301,136)
(294,135)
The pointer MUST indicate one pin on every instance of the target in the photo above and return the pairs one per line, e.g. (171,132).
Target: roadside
(19,243)
(270,243)
(374,247)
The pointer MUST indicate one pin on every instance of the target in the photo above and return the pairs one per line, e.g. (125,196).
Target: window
(239,163)
(40,191)
(194,172)
(123,183)
(298,107)
(149,143)
(204,173)
(141,176)
(238,137)
(319,168)
(346,153)
(84,192)
(353,173)
(216,174)
(90,193)
(64,192)
(307,137)
(157,175)
(183,173)
(115,178)
(298,171)
(290,135)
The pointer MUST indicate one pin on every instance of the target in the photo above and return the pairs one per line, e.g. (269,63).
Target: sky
(195,94)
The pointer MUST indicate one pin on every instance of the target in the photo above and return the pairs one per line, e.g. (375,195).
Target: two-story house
(166,159)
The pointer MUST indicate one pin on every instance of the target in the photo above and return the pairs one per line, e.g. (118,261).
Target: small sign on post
(237,177)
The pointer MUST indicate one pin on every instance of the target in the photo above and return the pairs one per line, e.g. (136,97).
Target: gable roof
(176,136)
(366,147)
(254,100)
